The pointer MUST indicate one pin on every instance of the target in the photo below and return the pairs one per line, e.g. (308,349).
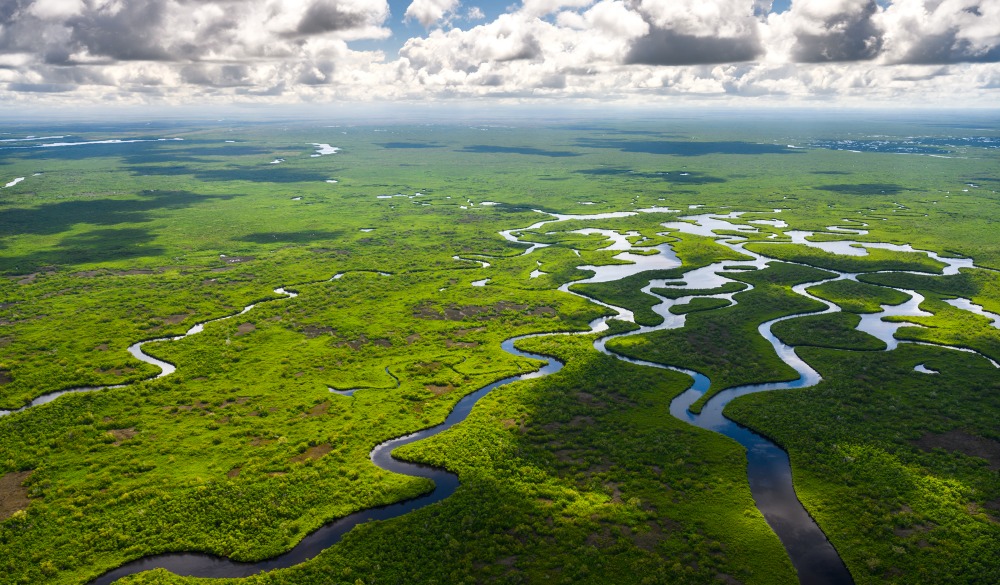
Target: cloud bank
(190,51)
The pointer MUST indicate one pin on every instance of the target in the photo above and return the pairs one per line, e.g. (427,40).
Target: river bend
(768,468)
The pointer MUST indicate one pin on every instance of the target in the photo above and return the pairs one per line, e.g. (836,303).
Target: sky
(851,53)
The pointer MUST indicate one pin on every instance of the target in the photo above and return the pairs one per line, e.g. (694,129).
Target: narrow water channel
(445,484)
(166,368)
(768,468)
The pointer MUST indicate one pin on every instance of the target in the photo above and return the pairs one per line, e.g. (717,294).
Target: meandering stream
(768,468)
(445,484)
(166,368)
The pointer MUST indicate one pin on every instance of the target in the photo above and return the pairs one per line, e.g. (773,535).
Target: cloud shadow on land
(397,145)
(195,155)
(300,237)
(618,131)
(490,149)
(865,189)
(104,245)
(86,151)
(155,150)
(686,177)
(684,148)
(55,218)
(263,174)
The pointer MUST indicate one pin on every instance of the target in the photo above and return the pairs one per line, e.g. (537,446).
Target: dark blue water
(445,484)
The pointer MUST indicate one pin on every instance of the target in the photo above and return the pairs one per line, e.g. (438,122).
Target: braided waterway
(445,482)
(768,467)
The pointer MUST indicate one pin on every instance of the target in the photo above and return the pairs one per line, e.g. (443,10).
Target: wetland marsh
(659,280)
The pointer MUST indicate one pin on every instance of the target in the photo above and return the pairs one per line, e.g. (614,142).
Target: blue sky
(403,30)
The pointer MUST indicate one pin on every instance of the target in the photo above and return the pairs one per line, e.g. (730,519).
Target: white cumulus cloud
(688,32)
(543,7)
(430,12)
(936,31)
(68,51)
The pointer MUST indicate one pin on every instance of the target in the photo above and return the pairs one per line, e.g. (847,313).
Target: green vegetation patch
(834,330)
(582,476)
(676,293)
(981,286)
(896,465)
(725,344)
(627,293)
(699,304)
(83,350)
(877,258)
(697,251)
(952,326)
(858,297)
(693,251)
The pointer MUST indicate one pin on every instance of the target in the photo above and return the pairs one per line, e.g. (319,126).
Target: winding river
(768,468)
(445,484)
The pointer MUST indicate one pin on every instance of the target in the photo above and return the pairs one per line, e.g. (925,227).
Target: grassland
(875,260)
(579,477)
(835,330)
(857,297)
(699,304)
